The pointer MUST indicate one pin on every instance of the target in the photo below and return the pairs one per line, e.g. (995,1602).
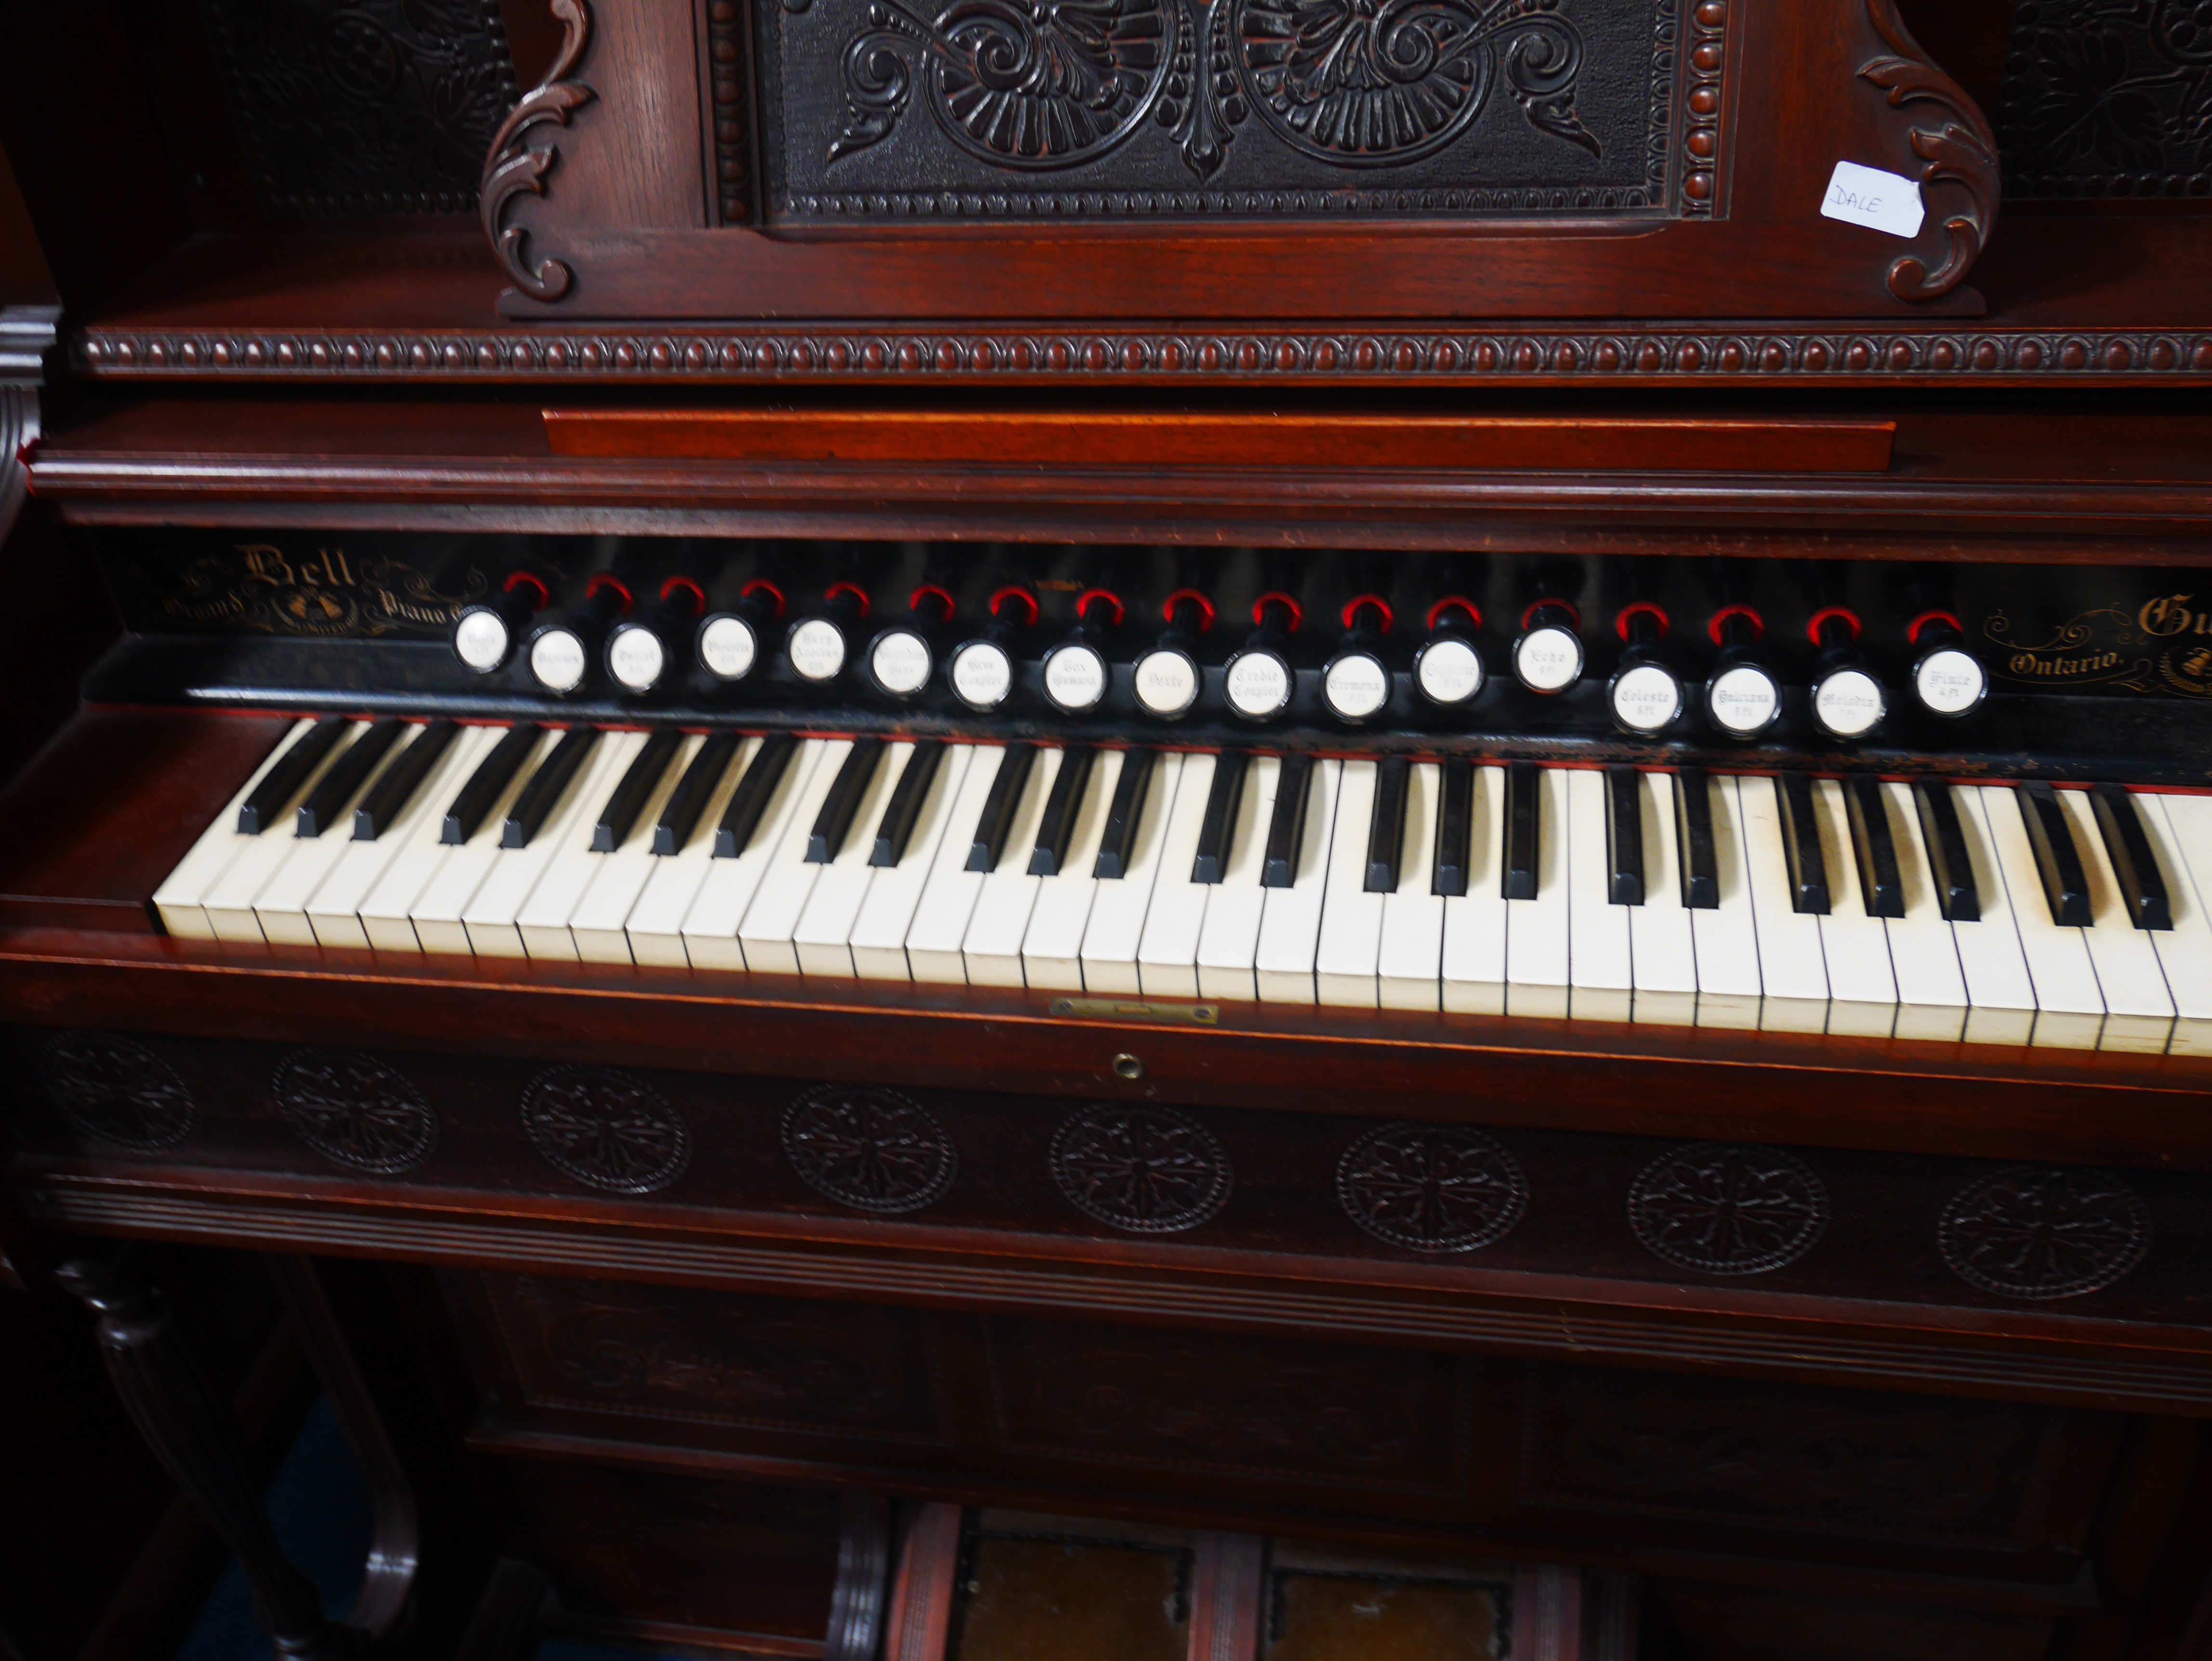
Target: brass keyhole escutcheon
(1127,1066)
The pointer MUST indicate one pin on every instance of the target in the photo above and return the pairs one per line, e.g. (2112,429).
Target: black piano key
(988,844)
(326,802)
(1455,828)
(842,805)
(619,816)
(1125,815)
(1801,844)
(1880,883)
(1624,836)
(2143,885)
(750,799)
(2058,861)
(1948,864)
(679,814)
(1693,839)
(1057,828)
(493,774)
(281,783)
(904,811)
(1386,826)
(1524,829)
(1223,800)
(388,797)
(528,816)
(1287,831)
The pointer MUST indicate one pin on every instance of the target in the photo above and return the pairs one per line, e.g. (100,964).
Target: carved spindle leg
(193,1432)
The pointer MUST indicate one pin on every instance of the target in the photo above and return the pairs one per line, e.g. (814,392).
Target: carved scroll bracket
(1955,148)
(524,151)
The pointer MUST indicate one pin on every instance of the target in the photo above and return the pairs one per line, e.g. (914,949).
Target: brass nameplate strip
(1138,1009)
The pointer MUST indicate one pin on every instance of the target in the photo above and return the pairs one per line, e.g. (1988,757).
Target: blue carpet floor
(321,1511)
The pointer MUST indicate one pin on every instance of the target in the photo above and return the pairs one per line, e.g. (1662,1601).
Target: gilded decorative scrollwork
(605,1129)
(353,1109)
(1145,1168)
(1432,1187)
(523,152)
(117,1090)
(2043,1231)
(867,1147)
(1727,1209)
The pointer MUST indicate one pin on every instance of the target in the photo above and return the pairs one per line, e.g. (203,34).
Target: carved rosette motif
(1432,1187)
(1913,354)
(867,1147)
(605,1129)
(2043,1231)
(1955,148)
(1148,1169)
(117,1090)
(1727,1209)
(523,152)
(353,1109)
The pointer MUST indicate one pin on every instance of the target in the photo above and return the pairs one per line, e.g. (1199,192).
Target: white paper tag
(1868,196)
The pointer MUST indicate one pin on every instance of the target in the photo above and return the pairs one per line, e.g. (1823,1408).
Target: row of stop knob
(637,647)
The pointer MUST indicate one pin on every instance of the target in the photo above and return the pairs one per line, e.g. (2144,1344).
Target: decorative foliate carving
(1956,151)
(1432,1187)
(2043,1231)
(605,1129)
(2108,98)
(1148,1169)
(353,1109)
(523,151)
(364,106)
(1725,1209)
(868,1147)
(117,1090)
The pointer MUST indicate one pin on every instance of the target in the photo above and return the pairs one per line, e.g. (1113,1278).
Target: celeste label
(1949,682)
(1548,659)
(1450,671)
(1075,678)
(1848,702)
(817,649)
(1258,685)
(556,658)
(727,647)
(1744,699)
(480,641)
(1646,697)
(636,659)
(1356,686)
(982,675)
(901,662)
(1167,683)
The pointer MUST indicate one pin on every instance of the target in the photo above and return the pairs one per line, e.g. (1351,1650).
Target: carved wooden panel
(1831,1461)
(1119,109)
(771,1363)
(364,106)
(2108,98)
(1255,1407)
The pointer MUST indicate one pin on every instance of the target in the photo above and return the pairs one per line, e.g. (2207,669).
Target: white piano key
(765,936)
(1290,918)
(887,915)
(552,868)
(1598,961)
(229,899)
(1409,954)
(1348,961)
(1167,950)
(1473,961)
(1538,962)
(598,925)
(411,909)
(1794,973)
(823,936)
(2070,1010)
(1661,938)
(1052,949)
(177,901)
(1228,941)
(991,950)
(653,931)
(1862,985)
(2180,829)
(1931,988)
(2138,1008)
(2000,992)
(948,897)
(1730,988)
(411,840)
(710,927)
(281,907)
(1115,932)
